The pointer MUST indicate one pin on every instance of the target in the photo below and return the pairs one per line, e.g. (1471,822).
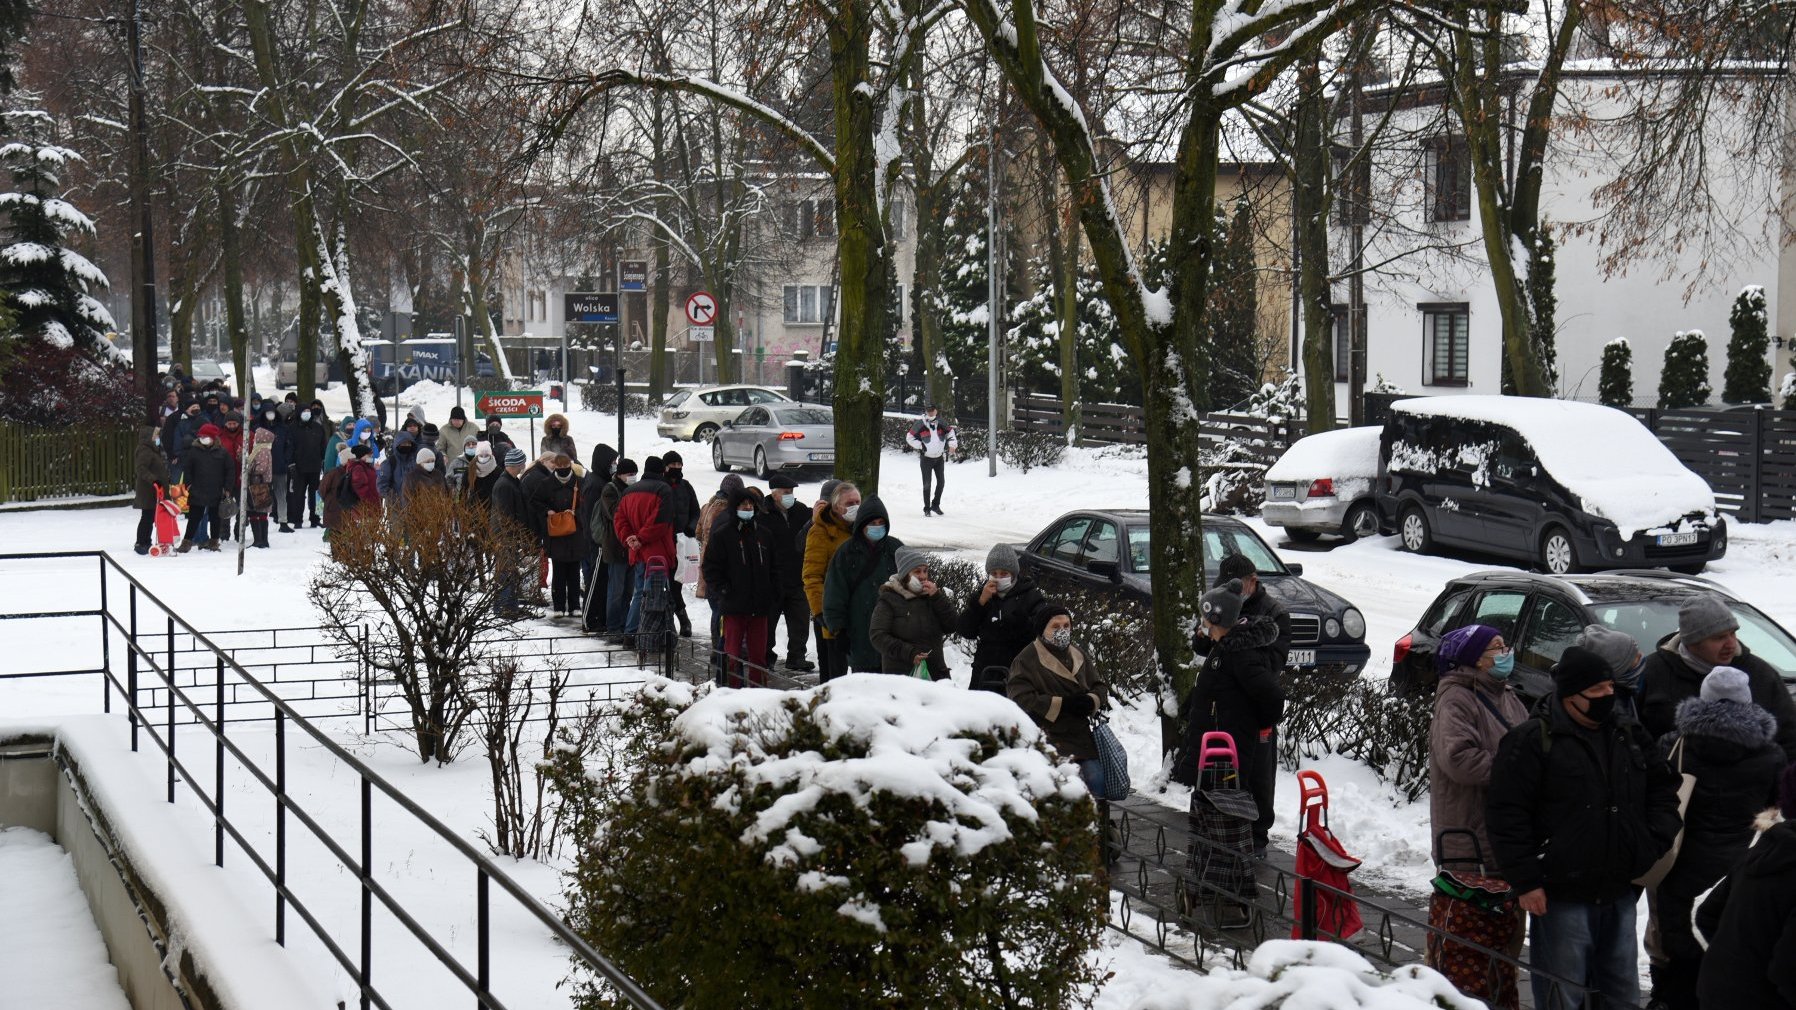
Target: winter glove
(1079,706)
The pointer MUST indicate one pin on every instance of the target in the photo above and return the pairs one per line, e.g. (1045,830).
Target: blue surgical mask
(469,451)
(876,533)
(787,500)
(746,515)
(1504,666)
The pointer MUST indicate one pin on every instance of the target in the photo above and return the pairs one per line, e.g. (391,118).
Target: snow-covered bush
(1788,392)
(1382,729)
(1684,381)
(1293,973)
(45,282)
(1278,402)
(1748,375)
(602,397)
(1615,383)
(1030,449)
(1116,630)
(876,841)
(1382,386)
(1235,476)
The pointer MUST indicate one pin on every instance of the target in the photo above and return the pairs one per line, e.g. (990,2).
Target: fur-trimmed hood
(1748,726)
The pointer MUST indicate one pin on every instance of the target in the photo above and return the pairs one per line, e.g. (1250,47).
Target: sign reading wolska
(508,403)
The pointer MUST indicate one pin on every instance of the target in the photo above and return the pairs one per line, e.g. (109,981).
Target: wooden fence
(39,463)
(1122,424)
(1747,456)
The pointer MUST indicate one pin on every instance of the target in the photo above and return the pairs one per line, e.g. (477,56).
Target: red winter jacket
(643,512)
(362,477)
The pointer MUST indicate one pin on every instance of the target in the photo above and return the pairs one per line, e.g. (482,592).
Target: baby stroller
(168,527)
(1219,863)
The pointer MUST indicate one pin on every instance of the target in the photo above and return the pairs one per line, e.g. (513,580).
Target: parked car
(777,436)
(205,370)
(1539,615)
(698,414)
(286,374)
(1564,485)
(1106,552)
(1323,484)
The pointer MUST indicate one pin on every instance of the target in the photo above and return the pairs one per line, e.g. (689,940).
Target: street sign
(633,275)
(701,309)
(508,403)
(702,334)
(590,307)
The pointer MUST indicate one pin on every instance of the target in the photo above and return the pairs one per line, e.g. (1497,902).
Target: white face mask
(627,478)
(787,500)
(852,511)
(915,584)
(427,465)
(305,415)
(1060,638)
(1005,583)
(205,440)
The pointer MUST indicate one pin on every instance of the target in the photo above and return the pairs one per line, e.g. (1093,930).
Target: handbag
(1687,785)
(227,507)
(1114,759)
(565,522)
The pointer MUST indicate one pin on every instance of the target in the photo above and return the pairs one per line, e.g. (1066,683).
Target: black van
(1563,485)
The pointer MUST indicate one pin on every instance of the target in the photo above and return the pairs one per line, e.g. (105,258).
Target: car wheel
(1301,536)
(1361,521)
(1413,528)
(717,457)
(761,470)
(1557,555)
(705,433)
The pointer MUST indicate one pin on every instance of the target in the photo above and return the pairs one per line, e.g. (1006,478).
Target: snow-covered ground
(54,953)
(1391,588)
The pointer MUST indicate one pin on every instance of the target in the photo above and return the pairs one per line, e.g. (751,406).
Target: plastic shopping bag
(687,548)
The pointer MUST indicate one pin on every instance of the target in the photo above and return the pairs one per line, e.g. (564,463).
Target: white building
(1432,321)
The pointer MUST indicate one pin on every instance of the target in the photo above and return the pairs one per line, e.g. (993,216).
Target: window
(1219,543)
(797,416)
(812,218)
(1553,627)
(1065,542)
(809,303)
(900,224)
(1140,558)
(1101,545)
(1447,175)
(1501,610)
(765,396)
(753,417)
(1447,335)
(1353,188)
(1443,614)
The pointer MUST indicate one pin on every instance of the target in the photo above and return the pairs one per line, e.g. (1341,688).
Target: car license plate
(1302,657)
(1676,539)
(1285,491)
(823,457)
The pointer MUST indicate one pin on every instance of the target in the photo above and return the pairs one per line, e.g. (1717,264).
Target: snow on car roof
(1615,466)
(1339,455)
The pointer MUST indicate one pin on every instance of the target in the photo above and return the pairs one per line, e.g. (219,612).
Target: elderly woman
(1053,681)
(910,619)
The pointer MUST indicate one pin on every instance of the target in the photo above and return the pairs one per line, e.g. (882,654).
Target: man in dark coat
(307,435)
(851,584)
(592,570)
(744,567)
(1706,639)
(560,492)
(788,516)
(1257,603)
(210,472)
(643,522)
(177,432)
(508,511)
(685,519)
(150,470)
(1000,617)
(1580,805)
(614,556)
(1750,921)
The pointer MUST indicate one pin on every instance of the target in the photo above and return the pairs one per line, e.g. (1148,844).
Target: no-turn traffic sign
(701,309)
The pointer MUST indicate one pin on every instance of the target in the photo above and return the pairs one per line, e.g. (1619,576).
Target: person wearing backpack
(1580,805)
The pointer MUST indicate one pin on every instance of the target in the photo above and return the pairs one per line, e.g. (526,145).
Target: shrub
(1364,721)
(1029,449)
(1117,632)
(1615,387)
(46,386)
(958,578)
(972,444)
(1748,375)
(1684,382)
(873,842)
(602,397)
(892,430)
(1788,393)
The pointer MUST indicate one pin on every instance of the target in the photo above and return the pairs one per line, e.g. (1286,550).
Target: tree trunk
(230,251)
(1310,207)
(183,299)
(1066,307)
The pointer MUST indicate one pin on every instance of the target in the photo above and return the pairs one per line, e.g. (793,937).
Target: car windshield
(1649,621)
(206,370)
(1219,542)
(678,398)
(804,415)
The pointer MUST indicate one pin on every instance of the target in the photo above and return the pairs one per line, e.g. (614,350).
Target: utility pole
(143,246)
(1362,209)
(994,288)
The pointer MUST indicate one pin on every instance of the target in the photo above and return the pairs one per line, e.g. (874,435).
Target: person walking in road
(832,524)
(933,439)
(150,471)
(911,619)
(1706,638)
(1580,806)
(742,568)
(851,585)
(1000,617)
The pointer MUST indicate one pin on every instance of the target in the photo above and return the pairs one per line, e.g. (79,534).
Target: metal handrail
(371,780)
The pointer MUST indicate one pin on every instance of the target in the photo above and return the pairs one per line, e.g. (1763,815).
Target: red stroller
(1322,858)
(167,525)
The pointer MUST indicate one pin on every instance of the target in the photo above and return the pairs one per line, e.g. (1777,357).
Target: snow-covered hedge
(1293,974)
(875,841)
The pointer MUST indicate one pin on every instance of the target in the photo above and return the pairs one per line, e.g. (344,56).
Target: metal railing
(150,631)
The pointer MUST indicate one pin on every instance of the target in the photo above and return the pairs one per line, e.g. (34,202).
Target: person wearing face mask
(497,438)
(788,516)
(307,435)
(715,514)
(832,523)
(457,464)
(509,515)
(1619,650)
(683,500)
(614,555)
(851,585)
(150,472)
(269,419)
(398,463)
(932,438)
(911,618)
(425,477)
(209,471)
(556,437)
(555,499)
(1580,805)
(365,434)
(1053,680)
(454,434)
(1000,617)
(258,480)
(482,474)
(742,569)
(1707,637)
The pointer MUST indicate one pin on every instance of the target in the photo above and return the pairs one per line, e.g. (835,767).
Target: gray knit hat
(1617,648)
(1002,556)
(1704,617)
(1222,606)
(514,456)
(909,558)
(1727,683)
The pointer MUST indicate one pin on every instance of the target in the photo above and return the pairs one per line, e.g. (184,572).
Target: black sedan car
(1540,615)
(1108,552)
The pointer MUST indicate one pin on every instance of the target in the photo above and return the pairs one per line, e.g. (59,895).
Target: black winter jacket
(1667,680)
(1750,923)
(507,504)
(1260,604)
(1729,748)
(787,526)
(306,440)
(552,495)
(601,524)
(1002,627)
(1237,692)
(906,623)
(209,472)
(1579,812)
(743,567)
(684,502)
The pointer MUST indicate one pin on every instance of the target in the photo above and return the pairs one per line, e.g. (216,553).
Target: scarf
(1695,664)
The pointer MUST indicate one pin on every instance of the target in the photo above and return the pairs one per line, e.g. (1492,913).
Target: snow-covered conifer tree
(1615,383)
(1748,376)
(1684,381)
(44,282)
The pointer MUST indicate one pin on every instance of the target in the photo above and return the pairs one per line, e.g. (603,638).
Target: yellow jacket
(827,533)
